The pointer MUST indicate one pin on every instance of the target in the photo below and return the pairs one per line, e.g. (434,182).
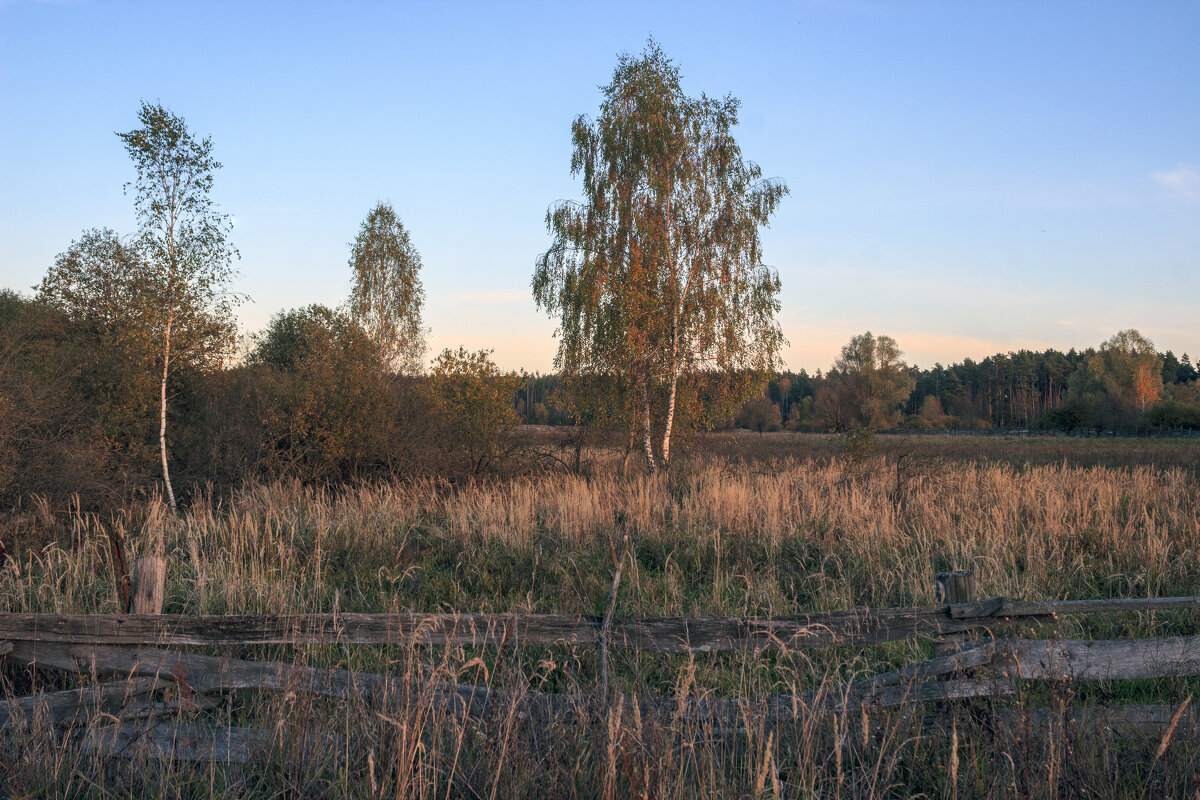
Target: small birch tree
(184,239)
(387,296)
(657,274)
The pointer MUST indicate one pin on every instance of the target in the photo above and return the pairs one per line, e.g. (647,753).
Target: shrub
(759,414)
(473,404)
(328,408)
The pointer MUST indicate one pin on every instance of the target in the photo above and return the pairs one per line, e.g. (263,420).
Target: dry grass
(764,534)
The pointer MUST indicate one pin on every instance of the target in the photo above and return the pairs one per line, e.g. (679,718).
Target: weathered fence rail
(664,635)
(237,745)
(982,664)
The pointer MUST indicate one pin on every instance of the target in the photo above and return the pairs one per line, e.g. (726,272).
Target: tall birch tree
(657,274)
(387,296)
(184,239)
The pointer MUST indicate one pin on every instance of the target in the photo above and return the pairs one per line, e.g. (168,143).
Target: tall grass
(721,535)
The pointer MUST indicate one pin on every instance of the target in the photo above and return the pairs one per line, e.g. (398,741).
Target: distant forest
(1025,389)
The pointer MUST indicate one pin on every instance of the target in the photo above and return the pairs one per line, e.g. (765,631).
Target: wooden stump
(955,587)
(149,584)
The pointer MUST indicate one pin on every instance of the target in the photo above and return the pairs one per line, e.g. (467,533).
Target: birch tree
(387,296)
(657,274)
(184,239)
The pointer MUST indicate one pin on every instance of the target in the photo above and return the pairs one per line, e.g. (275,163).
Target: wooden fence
(972,662)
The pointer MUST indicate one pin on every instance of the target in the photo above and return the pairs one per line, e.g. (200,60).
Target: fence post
(149,584)
(951,588)
(955,587)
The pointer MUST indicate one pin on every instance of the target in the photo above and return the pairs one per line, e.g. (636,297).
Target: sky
(966,177)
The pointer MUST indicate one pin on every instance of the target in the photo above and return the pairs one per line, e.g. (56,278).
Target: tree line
(124,373)
(1123,385)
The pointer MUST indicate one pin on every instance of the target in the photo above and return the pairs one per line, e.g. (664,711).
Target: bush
(475,416)
(1073,416)
(759,414)
(1180,408)
(53,441)
(327,408)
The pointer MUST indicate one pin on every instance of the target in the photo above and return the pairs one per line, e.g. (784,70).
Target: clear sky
(968,177)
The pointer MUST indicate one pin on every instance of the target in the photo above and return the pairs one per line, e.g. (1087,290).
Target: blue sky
(967,177)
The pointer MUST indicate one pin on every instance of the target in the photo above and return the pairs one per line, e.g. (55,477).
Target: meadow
(745,524)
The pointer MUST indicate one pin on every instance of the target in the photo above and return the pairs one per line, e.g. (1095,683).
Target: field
(744,525)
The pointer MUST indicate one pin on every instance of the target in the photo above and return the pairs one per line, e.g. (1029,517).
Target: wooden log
(188,703)
(169,629)
(122,579)
(977,608)
(149,585)
(955,587)
(1074,659)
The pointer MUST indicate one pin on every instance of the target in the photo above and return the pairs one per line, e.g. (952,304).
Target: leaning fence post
(149,584)
(606,624)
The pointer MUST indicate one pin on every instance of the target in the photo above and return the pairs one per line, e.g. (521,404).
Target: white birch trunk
(674,379)
(647,445)
(162,417)
(666,442)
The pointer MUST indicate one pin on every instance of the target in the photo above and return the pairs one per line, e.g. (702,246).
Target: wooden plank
(204,674)
(666,635)
(1120,721)
(69,705)
(239,745)
(977,608)
(149,584)
(940,691)
(201,742)
(1004,607)
(1075,659)
(811,631)
(166,629)
(967,658)
(209,673)
(956,587)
